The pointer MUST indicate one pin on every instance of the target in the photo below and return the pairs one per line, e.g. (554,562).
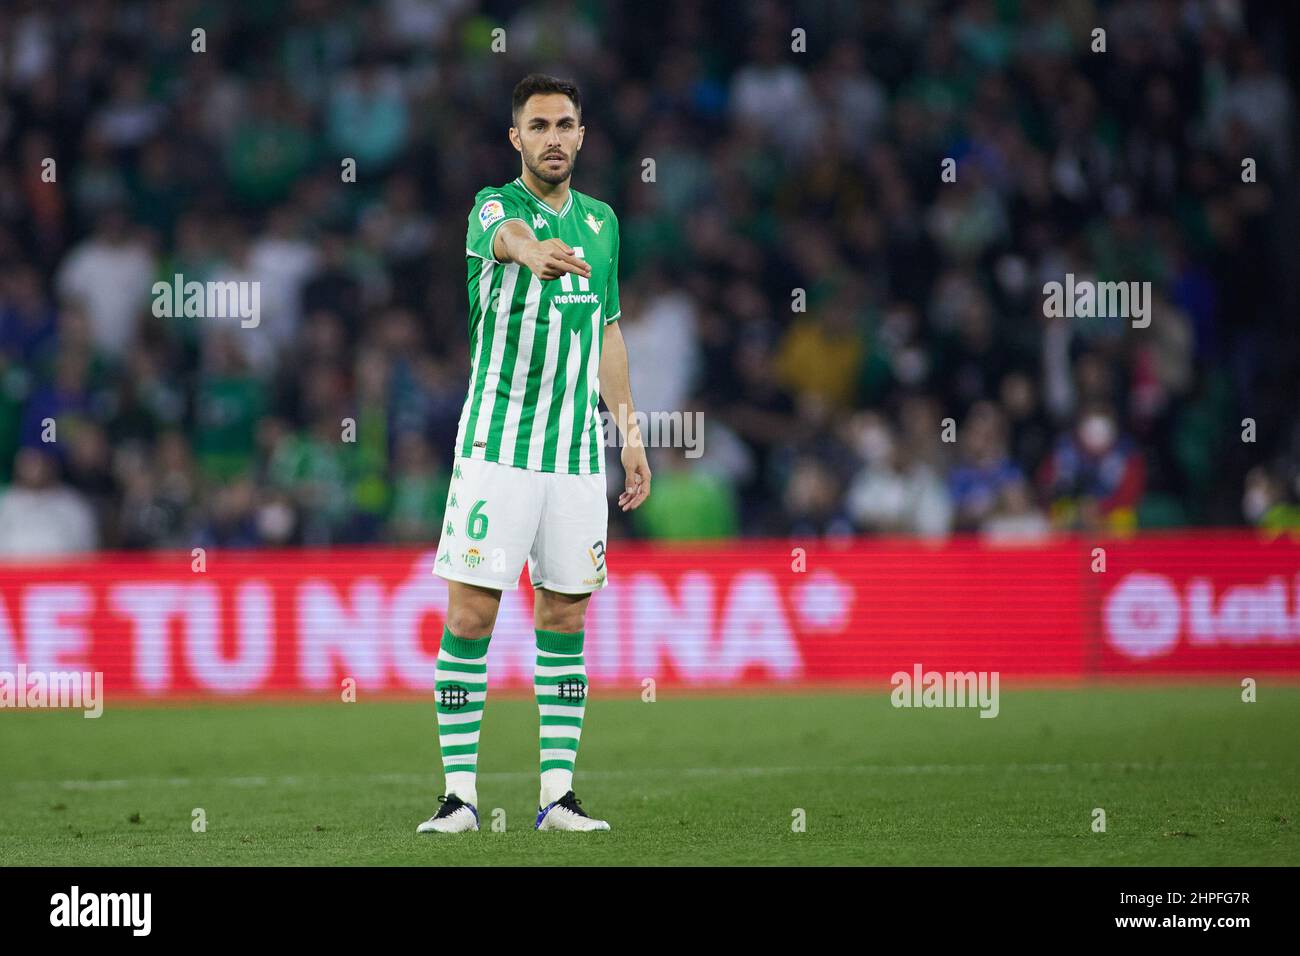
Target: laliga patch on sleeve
(490,212)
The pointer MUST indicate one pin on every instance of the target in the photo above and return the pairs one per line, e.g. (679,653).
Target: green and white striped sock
(460,690)
(560,683)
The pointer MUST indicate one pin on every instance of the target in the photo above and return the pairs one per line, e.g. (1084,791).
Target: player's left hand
(636,471)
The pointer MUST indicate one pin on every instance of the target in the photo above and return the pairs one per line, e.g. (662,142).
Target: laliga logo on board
(1144,615)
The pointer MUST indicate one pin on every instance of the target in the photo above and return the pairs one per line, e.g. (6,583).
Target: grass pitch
(1187,775)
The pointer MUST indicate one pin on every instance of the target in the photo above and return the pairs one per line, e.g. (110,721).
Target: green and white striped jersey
(535,346)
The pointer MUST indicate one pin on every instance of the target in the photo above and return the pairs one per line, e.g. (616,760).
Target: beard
(539,169)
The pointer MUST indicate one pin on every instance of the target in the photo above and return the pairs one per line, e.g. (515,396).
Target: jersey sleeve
(492,210)
(612,307)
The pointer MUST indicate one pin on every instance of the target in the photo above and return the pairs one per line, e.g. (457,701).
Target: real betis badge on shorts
(472,558)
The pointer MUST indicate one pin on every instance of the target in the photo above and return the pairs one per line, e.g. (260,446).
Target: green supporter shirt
(534,390)
(228,409)
(687,506)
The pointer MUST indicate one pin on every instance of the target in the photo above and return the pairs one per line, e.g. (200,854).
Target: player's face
(548,136)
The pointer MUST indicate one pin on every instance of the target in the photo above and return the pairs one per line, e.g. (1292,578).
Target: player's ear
(513,135)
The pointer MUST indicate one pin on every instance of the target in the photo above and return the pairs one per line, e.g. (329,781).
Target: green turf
(1186,775)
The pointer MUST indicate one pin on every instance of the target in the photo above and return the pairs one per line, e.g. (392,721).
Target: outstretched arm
(546,258)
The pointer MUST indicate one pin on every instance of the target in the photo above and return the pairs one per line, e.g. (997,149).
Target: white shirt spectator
(420,23)
(778,100)
(662,336)
(911,502)
(282,264)
(37,522)
(113,281)
(260,344)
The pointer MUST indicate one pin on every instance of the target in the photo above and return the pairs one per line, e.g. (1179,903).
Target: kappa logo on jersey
(539,221)
(594,223)
(490,212)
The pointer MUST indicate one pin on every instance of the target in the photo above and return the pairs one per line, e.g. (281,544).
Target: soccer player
(528,482)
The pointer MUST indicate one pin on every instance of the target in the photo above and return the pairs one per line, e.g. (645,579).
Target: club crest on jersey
(490,212)
(594,223)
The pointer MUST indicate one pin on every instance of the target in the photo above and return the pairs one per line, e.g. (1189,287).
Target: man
(528,480)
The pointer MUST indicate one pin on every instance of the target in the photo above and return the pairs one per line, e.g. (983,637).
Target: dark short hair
(540,83)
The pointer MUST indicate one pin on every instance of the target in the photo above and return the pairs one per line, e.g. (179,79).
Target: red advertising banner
(733,614)
(1199,604)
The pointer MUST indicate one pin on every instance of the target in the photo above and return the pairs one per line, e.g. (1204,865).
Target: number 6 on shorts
(477,525)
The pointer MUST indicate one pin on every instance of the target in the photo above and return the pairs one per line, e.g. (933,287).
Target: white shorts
(498,516)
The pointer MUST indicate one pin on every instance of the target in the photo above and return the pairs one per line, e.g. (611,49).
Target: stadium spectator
(109,275)
(1095,476)
(419,492)
(1264,502)
(895,493)
(1015,518)
(695,505)
(983,468)
(28,318)
(39,515)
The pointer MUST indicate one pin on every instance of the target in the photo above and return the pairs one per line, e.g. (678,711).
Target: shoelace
(573,805)
(449,805)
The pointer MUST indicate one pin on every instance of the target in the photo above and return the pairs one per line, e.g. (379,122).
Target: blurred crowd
(866,342)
